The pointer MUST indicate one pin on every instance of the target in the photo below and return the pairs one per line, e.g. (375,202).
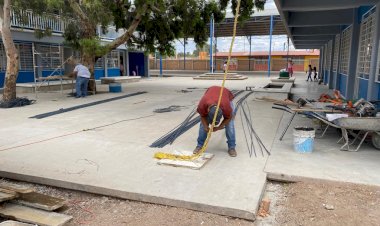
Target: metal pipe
(211,37)
(270,44)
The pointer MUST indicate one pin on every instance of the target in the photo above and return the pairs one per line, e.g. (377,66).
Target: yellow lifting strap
(162,155)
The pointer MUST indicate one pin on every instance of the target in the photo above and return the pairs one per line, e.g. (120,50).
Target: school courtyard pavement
(105,149)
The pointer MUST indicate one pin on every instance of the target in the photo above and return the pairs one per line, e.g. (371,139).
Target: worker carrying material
(207,108)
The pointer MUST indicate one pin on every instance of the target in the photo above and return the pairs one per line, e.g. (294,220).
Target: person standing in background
(315,74)
(290,68)
(308,72)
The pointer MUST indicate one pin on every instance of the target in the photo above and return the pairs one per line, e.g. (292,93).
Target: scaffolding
(51,57)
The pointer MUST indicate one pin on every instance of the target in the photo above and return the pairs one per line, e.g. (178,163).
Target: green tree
(151,25)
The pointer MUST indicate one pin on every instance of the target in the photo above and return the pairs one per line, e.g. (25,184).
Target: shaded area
(63,110)
(18,102)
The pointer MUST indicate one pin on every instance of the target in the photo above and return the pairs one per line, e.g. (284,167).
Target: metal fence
(28,20)
(236,64)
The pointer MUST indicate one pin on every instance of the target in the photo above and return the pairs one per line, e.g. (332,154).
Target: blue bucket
(115,88)
(303,139)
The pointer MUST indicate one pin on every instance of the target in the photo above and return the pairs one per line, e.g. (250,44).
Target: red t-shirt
(211,97)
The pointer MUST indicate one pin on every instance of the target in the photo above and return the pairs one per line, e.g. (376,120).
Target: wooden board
(6,196)
(14,187)
(195,164)
(33,216)
(14,223)
(39,201)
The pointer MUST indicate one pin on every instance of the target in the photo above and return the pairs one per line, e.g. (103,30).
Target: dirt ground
(329,203)
(302,203)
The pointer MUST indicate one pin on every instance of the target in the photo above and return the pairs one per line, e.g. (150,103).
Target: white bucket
(303,139)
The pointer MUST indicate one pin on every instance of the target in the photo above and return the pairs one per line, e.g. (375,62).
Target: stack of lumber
(220,76)
(24,206)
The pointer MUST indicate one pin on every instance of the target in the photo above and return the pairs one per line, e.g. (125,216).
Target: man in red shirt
(207,108)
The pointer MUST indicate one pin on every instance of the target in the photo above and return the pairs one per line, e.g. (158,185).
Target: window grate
(26,56)
(99,63)
(336,53)
(378,65)
(345,50)
(328,57)
(3,58)
(365,45)
(113,59)
(50,56)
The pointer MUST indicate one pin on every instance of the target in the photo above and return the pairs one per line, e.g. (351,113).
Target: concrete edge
(247,215)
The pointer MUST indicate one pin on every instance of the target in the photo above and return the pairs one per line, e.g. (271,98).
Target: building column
(321,62)
(270,45)
(331,69)
(336,81)
(351,78)
(373,90)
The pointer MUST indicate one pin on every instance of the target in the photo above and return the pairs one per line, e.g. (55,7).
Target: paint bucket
(115,88)
(303,139)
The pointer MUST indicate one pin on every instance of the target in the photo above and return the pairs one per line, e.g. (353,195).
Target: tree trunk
(9,92)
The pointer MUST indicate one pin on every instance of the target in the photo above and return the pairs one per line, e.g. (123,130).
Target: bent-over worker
(207,108)
(83,75)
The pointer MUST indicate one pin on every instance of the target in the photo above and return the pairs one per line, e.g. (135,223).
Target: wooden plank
(195,164)
(14,223)
(33,216)
(39,201)
(15,187)
(6,196)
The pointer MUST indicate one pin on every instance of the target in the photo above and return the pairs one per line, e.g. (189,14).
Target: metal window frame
(377,76)
(113,59)
(336,53)
(345,50)
(3,58)
(25,52)
(366,37)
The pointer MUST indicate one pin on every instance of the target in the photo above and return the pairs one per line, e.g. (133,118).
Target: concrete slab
(104,149)
(120,79)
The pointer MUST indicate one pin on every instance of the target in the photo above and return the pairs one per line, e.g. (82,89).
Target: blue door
(136,63)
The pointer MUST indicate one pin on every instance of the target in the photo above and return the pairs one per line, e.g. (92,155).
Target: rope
(162,155)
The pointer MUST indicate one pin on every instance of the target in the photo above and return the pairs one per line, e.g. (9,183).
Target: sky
(259,43)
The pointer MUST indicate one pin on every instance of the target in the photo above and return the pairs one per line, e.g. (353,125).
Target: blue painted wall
(362,10)
(363,88)
(113,72)
(49,72)
(342,83)
(23,77)
(378,90)
(136,59)
(2,78)
(98,73)
(326,77)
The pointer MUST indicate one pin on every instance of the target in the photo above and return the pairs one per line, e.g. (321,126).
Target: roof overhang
(256,25)
(311,24)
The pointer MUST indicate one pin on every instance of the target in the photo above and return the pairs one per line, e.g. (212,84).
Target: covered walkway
(348,35)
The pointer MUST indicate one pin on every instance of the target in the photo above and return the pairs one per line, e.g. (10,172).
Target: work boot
(232,152)
(197,150)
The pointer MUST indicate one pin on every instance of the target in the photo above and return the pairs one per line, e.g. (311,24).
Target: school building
(48,56)
(348,36)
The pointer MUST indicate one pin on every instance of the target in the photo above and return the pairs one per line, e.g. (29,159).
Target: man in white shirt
(83,75)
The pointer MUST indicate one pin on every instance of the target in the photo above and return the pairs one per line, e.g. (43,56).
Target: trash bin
(303,139)
(284,74)
(115,88)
